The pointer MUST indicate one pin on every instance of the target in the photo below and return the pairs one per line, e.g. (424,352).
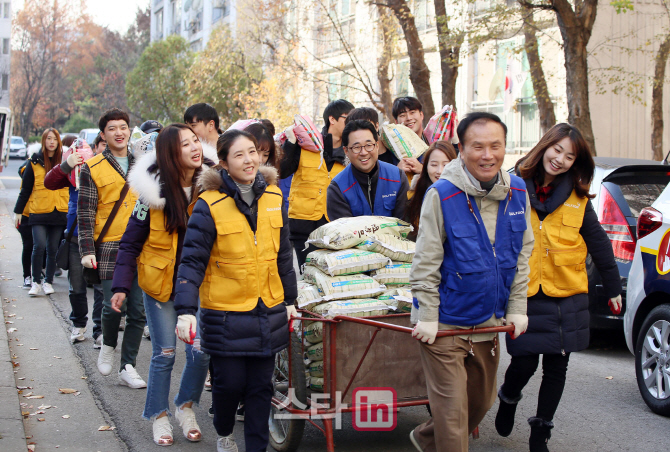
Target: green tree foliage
(76,123)
(156,87)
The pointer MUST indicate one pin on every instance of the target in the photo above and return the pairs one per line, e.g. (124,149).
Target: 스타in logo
(375,409)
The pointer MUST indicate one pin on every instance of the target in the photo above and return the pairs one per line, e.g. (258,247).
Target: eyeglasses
(369,147)
(342,116)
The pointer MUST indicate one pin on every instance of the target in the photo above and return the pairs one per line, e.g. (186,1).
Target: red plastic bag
(81,146)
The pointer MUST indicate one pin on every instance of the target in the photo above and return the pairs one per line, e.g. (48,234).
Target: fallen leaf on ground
(84,378)
(41,419)
(19,345)
(67,390)
(66,416)
(40,412)
(31,447)
(11,315)
(57,357)
(11,330)
(609,378)
(106,428)
(15,364)
(35,397)
(24,387)
(33,348)
(21,378)
(44,407)
(25,413)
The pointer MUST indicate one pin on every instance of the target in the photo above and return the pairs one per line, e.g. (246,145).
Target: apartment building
(5,54)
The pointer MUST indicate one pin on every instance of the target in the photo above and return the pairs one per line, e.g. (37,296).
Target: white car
(17,148)
(89,135)
(647,318)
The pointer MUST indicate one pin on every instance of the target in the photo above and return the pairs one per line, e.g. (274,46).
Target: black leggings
(26,232)
(554,368)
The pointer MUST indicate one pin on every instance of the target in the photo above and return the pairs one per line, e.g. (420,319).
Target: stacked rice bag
(402,141)
(442,126)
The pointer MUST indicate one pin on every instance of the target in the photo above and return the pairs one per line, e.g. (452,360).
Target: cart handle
(440,333)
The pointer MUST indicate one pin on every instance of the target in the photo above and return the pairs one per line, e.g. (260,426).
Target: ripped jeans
(162,320)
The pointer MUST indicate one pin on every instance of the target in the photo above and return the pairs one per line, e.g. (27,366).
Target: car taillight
(616,227)
(649,220)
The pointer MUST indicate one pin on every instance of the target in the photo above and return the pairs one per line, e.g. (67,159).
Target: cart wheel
(286,434)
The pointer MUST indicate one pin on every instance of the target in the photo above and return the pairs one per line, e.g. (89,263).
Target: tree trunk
(450,49)
(576,30)
(657,99)
(419,74)
(387,28)
(544,103)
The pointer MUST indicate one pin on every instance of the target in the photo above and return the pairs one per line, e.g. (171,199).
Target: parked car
(89,135)
(623,187)
(17,148)
(647,319)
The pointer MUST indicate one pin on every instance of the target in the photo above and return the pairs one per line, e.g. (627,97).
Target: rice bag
(404,299)
(442,126)
(343,287)
(398,249)
(316,384)
(402,141)
(352,308)
(308,295)
(314,332)
(315,352)
(144,144)
(396,273)
(346,262)
(316,369)
(81,146)
(307,136)
(348,232)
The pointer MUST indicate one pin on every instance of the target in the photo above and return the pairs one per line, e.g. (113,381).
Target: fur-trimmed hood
(143,177)
(212,178)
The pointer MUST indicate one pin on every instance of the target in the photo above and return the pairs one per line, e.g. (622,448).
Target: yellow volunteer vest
(242,266)
(558,259)
(156,262)
(307,199)
(109,183)
(43,200)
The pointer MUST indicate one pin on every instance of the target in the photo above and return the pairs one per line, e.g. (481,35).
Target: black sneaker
(211,410)
(240,413)
(58,272)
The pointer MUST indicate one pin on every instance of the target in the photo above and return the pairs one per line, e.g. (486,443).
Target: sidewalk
(38,345)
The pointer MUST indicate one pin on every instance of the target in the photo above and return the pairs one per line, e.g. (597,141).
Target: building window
(159,24)
(5,82)
(220,9)
(402,80)
(346,8)
(6,13)
(5,46)
(424,14)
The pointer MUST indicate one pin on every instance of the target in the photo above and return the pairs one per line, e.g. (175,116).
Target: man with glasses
(367,186)
(311,175)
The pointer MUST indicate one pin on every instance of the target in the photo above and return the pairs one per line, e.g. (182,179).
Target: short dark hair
(114,114)
(357,124)
(227,139)
(202,112)
(269,126)
(336,109)
(477,116)
(97,140)
(367,113)
(402,104)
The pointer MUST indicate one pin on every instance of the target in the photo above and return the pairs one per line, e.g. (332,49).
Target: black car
(623,187)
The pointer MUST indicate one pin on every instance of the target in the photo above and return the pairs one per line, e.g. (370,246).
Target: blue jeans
(162,320)
(45,237)
(78,299)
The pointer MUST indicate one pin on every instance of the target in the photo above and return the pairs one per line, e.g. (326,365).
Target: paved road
(596,413)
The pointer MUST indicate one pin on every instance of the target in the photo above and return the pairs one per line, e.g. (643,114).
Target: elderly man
(470,271)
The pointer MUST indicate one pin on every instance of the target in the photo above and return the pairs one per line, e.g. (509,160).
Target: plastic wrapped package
(345,233)
(343,287)
(81,146)
(316,369)
(314,332)
(315,352)
(308,295)
(316,384)
(242,124)
(402,141)
(346,262)
(442,126)
(353,308)
(398,249)
(394,274)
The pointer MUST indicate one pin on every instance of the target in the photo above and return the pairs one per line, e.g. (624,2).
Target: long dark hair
(170,173)
(265,141)
(414,209)
(531,166)
(50,162)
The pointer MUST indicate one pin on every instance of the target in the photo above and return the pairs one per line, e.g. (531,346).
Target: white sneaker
(189,426)
(129,377)
(163,431)
(48,290)
(146,332)
(27,282)
(34,290)
(77,334)
(105,359)
(226,444)
(97,343)
(122,323)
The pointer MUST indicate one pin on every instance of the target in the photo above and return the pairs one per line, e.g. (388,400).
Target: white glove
(520,322)
(290,136)
(89,261)
(291,311)
(425,331)
(186,327)
(615,305)
(17,220)
(74,159)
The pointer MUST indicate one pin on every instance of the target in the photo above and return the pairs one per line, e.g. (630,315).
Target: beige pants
(461,389)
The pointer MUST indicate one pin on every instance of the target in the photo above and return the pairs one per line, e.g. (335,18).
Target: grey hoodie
(425,274)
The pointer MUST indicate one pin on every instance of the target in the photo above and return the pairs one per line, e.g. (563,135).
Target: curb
(12,432)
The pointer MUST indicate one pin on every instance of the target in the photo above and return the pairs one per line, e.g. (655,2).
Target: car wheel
(652,360)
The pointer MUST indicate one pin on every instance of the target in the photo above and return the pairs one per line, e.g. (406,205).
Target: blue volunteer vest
(388,187)
(476,277)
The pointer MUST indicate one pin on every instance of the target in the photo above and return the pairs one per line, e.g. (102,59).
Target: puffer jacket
(425,274)
(561,325)
(260,332)
(54,218)
(144,180)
